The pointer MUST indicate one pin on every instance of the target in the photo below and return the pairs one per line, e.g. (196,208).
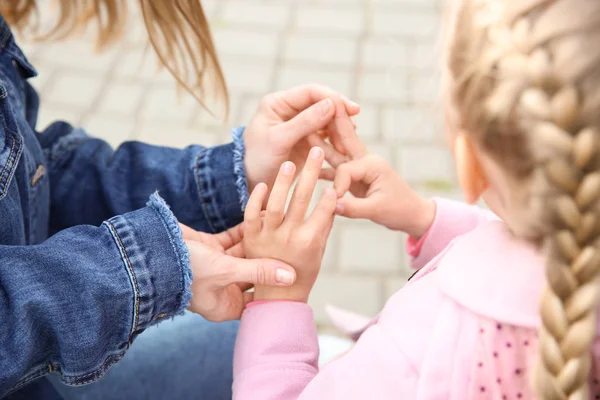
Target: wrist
(424,216)
(268,293)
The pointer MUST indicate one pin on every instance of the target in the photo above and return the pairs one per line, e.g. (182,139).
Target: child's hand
(287,236)
(381,195)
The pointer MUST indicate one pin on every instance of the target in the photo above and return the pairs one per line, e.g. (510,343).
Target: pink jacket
(463,328)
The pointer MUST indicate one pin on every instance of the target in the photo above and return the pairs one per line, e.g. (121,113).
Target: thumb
(259,271)
(352,207)
(312,119)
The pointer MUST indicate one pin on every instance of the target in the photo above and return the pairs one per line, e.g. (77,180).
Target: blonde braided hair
(526,79)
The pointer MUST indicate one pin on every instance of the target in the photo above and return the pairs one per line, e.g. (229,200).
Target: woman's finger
(295,100)
(306,186)
(343,135)
(279,195)
(252,218)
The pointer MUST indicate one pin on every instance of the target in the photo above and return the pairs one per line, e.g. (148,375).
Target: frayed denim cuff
(157,260)
(221,181)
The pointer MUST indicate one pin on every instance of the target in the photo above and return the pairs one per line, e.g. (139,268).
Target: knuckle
(263,274)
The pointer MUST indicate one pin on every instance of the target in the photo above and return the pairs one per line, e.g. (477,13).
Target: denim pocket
(11,143)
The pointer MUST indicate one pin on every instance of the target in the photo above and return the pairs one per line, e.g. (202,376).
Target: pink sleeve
(276,358)
(452,219)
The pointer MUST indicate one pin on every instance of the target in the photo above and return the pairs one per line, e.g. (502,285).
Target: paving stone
(51,113)
(247,77)
(391,86)
(245,44)
(332,19)
(425,89)
(412,124)
(122,97)
(74,90)
(319,50)
(369,248)
(79,55)
(385,53)
(393,285)
(256,14)
(426,163)
(405,23)
(166,104)
(361,294)
(367,122)
(293,76)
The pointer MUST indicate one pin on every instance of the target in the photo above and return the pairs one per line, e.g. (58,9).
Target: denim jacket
(89,256)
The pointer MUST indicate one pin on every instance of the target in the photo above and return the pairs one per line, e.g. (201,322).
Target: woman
(91,258)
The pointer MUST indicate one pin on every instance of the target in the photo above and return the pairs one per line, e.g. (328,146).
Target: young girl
(500,308)
(90,258)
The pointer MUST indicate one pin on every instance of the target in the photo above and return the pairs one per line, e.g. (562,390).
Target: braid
(537,119)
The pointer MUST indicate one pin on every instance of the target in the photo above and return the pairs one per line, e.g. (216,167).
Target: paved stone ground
(382,53)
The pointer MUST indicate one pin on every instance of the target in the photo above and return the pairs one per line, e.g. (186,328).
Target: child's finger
(306,186)
(279,195)
(327,174)
(332,156)
(322,216)
(346,174)
(230,237)
(252,218)
(352,207)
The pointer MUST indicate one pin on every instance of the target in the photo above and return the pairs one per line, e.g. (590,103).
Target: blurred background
(382,53)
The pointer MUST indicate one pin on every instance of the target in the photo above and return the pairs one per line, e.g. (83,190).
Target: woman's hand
(380,194)
(221,274)
(279,130)
(287,236)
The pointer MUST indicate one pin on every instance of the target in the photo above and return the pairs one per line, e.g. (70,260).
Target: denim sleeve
(90,182)
(75,303)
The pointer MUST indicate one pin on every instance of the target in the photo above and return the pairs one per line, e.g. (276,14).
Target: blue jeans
(186,358)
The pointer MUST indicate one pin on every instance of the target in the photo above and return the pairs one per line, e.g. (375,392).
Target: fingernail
(326,106)
(339,208)
(316,152)
(287,168)
(260,187)
(284,276)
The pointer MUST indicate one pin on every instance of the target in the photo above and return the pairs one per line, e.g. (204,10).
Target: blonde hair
(526,85)
(177,30)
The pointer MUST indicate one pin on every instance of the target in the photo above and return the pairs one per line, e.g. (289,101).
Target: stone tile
(425,89)
(173,135)
(412,124)
(166,104)
(74,90)
(368,248)
(246,44)
(257,14)
(50,113)
(79,55)
(320,50)
(359,294)
(385,53)
(384,151)
(293,76)
(425,55)
(367,122)
(426,163)
(114,129)
(392,285)
(405,23)
(255,78)
(349,21)
(142,64)
(122,97)
(378,86)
